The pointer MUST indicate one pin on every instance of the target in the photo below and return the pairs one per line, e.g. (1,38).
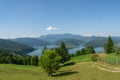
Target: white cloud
(50,28)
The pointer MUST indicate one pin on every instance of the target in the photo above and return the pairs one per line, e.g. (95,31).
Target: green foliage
(87,50)
(109,46)
(94,57)
(11,58)
(34,60)
(50,61)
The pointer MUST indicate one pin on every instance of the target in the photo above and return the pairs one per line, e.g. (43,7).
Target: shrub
(94,57)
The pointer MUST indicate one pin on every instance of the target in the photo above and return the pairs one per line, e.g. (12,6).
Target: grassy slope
(83,58)
(79,71)
(112,56)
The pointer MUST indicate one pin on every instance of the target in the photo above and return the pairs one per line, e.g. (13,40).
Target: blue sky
(33,18)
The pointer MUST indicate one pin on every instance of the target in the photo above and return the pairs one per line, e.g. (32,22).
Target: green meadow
(79,68)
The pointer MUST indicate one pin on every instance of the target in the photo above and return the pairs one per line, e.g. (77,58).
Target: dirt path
(105,68)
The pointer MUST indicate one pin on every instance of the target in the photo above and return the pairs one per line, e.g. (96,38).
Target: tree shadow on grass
(65,73)
(68,64)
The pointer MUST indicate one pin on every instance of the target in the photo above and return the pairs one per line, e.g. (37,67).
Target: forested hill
(31,41)
(13,47)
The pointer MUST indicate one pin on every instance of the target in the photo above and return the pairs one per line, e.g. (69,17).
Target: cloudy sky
(32,18)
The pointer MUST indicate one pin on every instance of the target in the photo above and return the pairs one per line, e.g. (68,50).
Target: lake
(38,50)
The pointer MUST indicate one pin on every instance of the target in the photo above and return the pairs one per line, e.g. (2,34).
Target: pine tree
(109,46)
(63,52)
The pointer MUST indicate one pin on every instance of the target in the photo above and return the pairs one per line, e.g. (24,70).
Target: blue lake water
(38,50)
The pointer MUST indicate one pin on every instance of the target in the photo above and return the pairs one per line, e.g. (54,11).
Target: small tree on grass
(50,61)
(94,57)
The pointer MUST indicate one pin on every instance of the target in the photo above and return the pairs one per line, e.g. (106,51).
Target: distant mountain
(100,41)
(69,41)
(13,47)
(54,37)
(31,41)
(97,42)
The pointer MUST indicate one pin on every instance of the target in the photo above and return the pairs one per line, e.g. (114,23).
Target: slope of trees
(13,47)
(17,59)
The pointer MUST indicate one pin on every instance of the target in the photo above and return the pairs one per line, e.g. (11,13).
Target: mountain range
(69,39)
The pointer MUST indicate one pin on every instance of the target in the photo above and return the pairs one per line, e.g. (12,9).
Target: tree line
(17,59)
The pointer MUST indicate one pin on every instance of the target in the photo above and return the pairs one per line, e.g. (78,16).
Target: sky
(33,18)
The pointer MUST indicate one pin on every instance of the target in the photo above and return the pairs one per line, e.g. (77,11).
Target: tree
(28,60)
(109,46)
(83,51)
(90,49)
(94,57)
(63,52)
(34,60)
(10,59)
(25,61)
(50,61)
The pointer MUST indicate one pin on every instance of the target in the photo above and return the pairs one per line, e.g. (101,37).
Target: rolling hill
(31,41)
(98,42)
(13,47)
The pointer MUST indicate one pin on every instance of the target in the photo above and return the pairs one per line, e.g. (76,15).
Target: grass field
(84,69)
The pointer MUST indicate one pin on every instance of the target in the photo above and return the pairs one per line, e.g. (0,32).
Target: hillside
(97,42)
(13,47)
(100,41)
(31,41)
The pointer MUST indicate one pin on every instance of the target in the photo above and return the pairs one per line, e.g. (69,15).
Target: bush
(94,57)
(50,61)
